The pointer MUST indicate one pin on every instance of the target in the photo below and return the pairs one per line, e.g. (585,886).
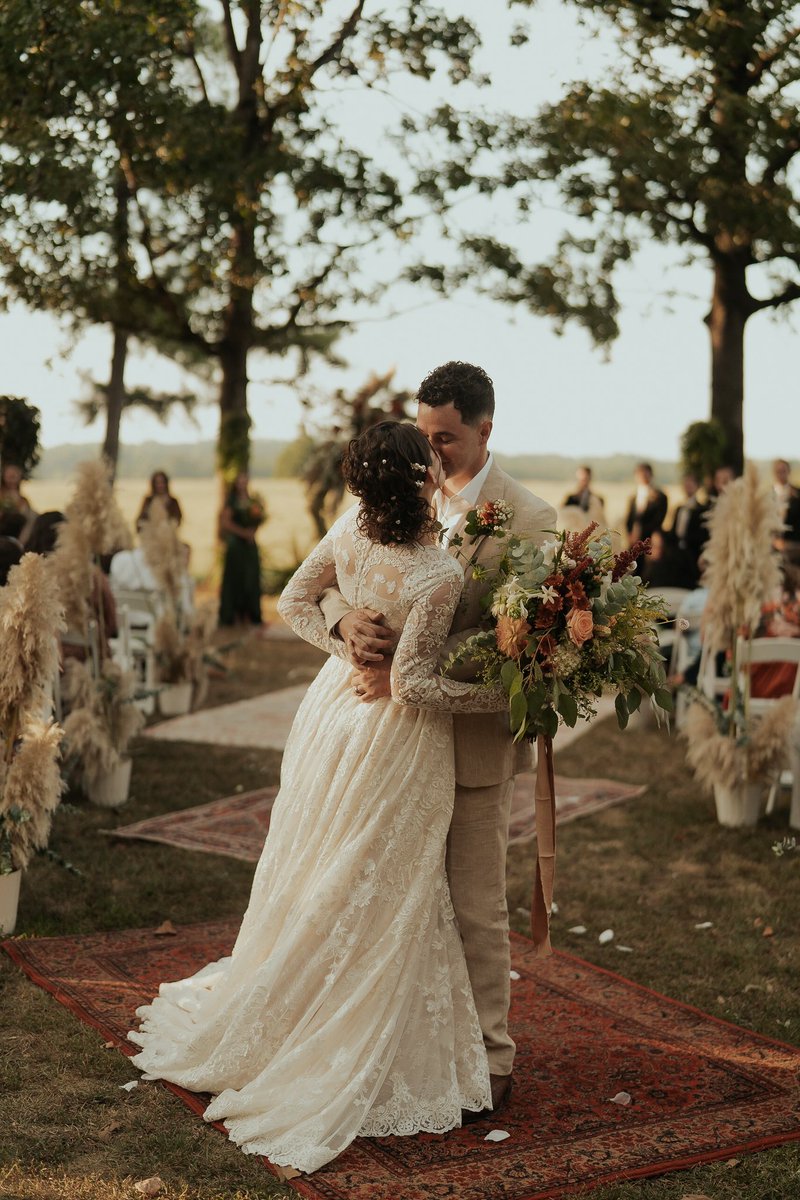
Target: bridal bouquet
(570,621)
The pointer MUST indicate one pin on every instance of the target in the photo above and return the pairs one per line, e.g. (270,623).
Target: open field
(289,533)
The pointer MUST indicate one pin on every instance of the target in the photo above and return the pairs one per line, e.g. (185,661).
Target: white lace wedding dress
(345,1007)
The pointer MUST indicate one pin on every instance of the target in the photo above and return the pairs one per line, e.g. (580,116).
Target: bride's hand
(367,636)
(372,683)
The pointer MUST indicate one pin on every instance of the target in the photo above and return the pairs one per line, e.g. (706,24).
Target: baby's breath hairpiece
(421,469)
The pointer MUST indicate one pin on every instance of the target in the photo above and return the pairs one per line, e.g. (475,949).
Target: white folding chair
(774,650)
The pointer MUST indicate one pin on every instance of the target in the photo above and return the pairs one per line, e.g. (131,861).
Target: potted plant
(165,555)
(100,695)
(30,776)
(732,751)
(102,721)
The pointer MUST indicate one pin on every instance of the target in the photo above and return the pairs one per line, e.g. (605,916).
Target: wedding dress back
(345,1006)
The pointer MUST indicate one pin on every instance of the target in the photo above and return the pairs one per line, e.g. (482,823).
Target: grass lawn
(651,870)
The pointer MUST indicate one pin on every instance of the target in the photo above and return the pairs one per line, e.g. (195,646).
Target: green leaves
(621,706)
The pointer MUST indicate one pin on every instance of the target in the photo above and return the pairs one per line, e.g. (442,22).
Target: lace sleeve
(299,602)
(415,680)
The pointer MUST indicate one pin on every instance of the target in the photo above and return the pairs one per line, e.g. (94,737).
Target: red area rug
(237,825)
(701,1089)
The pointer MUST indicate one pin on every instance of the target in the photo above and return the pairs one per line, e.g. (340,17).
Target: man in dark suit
(689,530)
(648,505)
(583,497)
(787,539)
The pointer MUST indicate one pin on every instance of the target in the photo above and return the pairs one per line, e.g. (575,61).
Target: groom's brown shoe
(501,1090)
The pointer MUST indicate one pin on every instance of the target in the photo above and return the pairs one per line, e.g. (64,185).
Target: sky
(555,394)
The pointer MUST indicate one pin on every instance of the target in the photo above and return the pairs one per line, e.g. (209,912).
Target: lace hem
(400,1119)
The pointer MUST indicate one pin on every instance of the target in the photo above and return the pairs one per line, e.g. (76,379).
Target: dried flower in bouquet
(570,621)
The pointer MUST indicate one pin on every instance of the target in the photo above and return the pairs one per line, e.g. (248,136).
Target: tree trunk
(730,309)
(233,444)
(115,398)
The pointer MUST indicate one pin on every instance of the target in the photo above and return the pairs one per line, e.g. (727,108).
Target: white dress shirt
(451,511)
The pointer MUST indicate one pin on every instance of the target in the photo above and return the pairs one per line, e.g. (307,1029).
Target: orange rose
(512,635)
(580,626)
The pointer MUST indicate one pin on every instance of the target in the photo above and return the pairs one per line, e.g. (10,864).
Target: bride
(345,1008)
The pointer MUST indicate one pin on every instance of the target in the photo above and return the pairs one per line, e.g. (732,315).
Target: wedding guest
(12,523)
(44,532)
(647,508)
(10,553)
(667,566)
(583,497)
(787,540)
(689,529)
(160,494)
(240,593)
(11,498)
(722,477)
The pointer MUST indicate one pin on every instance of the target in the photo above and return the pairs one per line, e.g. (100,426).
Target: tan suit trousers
(476,870)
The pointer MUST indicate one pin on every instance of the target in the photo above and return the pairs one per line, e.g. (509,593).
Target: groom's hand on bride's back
(367,636)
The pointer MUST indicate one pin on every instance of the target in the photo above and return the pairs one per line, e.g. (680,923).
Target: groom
(456,406)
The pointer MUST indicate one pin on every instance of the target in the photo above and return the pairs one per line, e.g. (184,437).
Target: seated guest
(779,619)
(689,530)
(583,497)
(787,539)
(12,523)
(10,554)
(44,533)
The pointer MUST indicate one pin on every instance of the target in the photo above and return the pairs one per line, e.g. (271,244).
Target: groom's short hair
(468,388)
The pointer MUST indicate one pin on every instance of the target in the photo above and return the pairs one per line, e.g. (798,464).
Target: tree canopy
(187,172)
(692,141)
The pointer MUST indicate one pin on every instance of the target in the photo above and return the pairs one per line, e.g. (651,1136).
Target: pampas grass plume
(94,508)
(33,784)
(31,615)
(742,569)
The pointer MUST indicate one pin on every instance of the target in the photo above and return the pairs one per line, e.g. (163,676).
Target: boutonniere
(489,518)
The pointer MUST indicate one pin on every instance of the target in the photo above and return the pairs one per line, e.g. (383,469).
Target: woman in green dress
(240,595)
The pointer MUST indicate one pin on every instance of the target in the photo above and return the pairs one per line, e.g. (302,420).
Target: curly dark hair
(468,388)
(381,467)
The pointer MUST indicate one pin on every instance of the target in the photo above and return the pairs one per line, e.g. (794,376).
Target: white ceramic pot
(111,790)
(739,805)
(9,900)
(175,700)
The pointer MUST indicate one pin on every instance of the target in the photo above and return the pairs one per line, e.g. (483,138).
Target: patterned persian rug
(699,1089)
(237,825)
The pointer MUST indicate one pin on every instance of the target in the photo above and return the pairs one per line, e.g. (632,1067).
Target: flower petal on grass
(606,936)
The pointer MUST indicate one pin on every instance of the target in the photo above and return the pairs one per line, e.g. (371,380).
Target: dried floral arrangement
(103,719)
(727,744)
(31,615)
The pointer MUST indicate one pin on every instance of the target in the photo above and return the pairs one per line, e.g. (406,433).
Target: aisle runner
(701,1089)
(263,722)
(237,825)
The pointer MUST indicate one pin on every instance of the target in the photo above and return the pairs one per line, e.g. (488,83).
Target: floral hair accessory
(423,470)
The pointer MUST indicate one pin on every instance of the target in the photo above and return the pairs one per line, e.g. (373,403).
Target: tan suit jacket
(485,753)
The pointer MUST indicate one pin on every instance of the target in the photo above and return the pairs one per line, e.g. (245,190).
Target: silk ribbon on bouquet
(545,803)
